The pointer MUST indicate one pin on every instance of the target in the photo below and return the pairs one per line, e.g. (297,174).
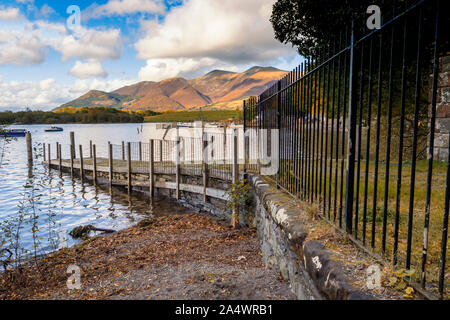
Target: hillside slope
(217,89)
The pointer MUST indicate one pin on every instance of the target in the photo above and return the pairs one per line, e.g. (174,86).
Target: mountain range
(217,89)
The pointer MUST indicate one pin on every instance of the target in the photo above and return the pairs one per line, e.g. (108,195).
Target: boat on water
(13,132)
(54,129)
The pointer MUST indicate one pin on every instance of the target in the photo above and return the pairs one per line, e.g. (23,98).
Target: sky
(49,55)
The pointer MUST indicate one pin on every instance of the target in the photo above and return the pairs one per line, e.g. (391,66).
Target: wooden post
(177,166)
(94,171)
(81,164)
(59,158)
(45,158)
(235,215)
(71,160)
(49,155)
(91,154)
(110,157)
(123,150)
(57,150)
(160,150)
(129,166)
(29,149)
(151,170)
(140,151)
(205,169)
(72,144)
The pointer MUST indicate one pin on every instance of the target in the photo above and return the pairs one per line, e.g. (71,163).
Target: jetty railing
(355,125)
(212,156)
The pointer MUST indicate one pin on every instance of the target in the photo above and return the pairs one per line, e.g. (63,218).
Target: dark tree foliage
(83,115)
(307,24)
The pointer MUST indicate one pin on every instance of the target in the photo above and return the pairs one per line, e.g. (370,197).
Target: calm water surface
(38,208)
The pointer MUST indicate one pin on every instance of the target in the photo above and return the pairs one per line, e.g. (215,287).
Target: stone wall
(442,132)
(310,268)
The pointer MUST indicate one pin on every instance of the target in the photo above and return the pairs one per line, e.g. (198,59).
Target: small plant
(398,282)
(239,195)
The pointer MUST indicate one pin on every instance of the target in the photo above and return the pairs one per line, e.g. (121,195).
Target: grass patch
(190,116)
(377,207)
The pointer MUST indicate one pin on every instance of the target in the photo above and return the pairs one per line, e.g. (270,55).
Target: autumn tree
(306,24)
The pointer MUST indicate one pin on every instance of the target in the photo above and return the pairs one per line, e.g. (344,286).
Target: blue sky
(44,64)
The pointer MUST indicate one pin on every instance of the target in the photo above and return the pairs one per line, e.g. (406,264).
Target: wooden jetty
(158,164)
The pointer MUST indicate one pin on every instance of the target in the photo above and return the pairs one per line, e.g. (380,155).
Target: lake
(38,208)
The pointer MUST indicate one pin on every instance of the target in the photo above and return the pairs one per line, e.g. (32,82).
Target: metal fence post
(177,166)
(151,169)
(235,215)
(140,151)
(245,140)
(279,130)
(352,104)
(129,166)
(205,168)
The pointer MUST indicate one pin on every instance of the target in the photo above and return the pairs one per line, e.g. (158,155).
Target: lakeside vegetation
(72,115)
(190,116)
(112,115)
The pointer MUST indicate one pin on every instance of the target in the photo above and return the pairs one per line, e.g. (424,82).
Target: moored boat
(13,133)
(54,129)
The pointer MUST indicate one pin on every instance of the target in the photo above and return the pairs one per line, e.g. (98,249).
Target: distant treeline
(190,116)
(82,115)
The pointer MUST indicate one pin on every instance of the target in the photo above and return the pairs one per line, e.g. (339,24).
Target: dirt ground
(190,256)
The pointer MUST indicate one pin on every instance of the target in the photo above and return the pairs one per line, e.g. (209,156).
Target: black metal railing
(355,128)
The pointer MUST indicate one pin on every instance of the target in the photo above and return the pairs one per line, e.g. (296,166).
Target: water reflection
(39,207)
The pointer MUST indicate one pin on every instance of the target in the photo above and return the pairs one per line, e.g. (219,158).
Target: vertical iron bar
(414,150)
(377,144)
(352,110)
(388,140)
(369,126)
(344,113)
(338,124)
(400,148)
(358,170)
(431,147)
(445,229)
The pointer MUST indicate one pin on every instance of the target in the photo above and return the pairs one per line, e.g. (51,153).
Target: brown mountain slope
(223,86)
(217,89)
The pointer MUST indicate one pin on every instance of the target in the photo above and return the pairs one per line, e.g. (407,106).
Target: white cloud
(21,48)
(84,70)
(48,94)
(232,32)
(9,13)
(160,69)
(123,7)
(28,43)
(90,44)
